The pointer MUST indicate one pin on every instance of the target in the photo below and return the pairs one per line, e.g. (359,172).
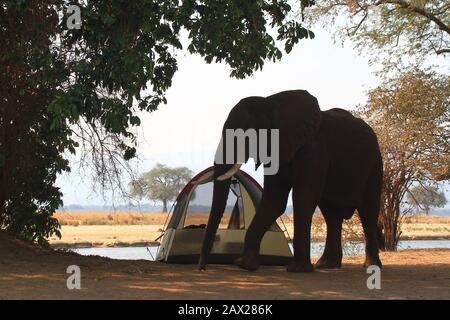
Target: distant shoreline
(102,230)
(152,209)
(87,245)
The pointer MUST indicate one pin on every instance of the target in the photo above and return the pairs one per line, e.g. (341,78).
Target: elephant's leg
(309,176)
(369,220)
(332,255)
(273,204)
(305,203)
(368,214)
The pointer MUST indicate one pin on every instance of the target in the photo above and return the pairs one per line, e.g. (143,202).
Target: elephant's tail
(380,238)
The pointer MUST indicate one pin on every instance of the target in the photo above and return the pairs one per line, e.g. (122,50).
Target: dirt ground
(28,272)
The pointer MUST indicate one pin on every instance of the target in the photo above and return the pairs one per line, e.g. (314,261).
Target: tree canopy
(426,197)
(161,183)
(80,90)
(397,33)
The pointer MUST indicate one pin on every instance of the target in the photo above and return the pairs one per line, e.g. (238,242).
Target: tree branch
(442,51)
(420,11)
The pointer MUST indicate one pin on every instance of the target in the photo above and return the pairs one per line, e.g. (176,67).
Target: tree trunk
(389,219)
(164,206)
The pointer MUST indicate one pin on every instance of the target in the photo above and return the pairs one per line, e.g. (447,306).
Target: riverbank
(29,272)
(87,235)
(106,236)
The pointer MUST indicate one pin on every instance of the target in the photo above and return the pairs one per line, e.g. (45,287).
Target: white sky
(186,131)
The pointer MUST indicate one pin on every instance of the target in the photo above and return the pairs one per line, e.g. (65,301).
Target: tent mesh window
(199,207)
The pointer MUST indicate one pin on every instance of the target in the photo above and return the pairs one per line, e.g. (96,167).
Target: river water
(149,253)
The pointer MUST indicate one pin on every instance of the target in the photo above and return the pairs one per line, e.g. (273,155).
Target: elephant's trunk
(219,201)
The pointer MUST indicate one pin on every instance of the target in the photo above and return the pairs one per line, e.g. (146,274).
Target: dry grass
(417,226)
(431,219)
(95,218)
(90,218)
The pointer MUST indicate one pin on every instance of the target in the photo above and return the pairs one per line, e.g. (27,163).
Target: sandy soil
(34,273)
(106,236)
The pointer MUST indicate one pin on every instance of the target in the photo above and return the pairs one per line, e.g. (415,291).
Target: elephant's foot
(328,263)
(249,261)
(297,266)
(202,264)
(370,261)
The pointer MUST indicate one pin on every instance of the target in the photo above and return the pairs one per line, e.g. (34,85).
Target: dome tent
(183,236)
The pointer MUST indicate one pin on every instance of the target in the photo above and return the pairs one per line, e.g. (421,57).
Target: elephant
(329,159)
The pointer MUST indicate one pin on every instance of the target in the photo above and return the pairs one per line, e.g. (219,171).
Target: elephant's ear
(297,115)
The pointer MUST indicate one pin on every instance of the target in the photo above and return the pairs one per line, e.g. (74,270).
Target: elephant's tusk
(229,173)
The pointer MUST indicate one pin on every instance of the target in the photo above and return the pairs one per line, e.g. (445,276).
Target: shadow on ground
(34,273)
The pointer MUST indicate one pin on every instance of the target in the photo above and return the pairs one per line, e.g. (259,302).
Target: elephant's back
(300,98)
(338,124)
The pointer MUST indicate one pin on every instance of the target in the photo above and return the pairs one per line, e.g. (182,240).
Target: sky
(186,131)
